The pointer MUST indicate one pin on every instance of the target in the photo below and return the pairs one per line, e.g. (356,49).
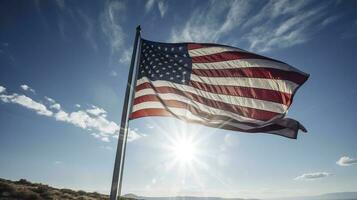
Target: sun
(184,151)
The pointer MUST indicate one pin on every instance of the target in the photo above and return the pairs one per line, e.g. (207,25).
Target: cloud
(93,119)
(346,161)
(163,7)
(97,111)
(261,25)
(89,30)
(134,134)
(27,88)
(77,105)
(26,102)
(2,89)
(113,73)
(110,24)
(57,162)
(313,176)
(149,5)
(125,56)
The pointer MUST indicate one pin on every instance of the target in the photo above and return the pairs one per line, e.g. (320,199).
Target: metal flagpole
(123,132)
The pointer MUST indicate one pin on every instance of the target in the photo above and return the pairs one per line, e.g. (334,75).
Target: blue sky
(64,65)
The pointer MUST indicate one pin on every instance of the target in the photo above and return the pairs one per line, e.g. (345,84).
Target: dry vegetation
(25,190)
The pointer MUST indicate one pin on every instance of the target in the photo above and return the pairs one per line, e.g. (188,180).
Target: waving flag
(217,86)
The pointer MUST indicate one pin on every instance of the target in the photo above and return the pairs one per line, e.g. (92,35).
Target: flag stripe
(271,128)
(211,50)
(269,84)
(202,106)
(257,72)
(215,100)
(246,63)
(153,101)
(228,55)
(255,93)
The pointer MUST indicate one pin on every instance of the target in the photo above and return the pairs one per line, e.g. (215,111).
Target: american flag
(217,86)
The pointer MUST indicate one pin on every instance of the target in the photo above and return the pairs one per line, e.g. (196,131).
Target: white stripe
(246,63)
(198,105)
(211,50)
(229,99)
(187,114)
(269,84)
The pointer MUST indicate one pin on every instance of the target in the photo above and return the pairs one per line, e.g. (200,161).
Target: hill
(25,190)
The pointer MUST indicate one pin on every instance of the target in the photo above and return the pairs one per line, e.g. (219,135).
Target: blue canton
(163,61)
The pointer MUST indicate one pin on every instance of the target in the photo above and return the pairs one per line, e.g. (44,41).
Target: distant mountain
(328,196)
(182,198)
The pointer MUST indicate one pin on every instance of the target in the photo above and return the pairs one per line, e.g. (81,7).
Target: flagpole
(123,132)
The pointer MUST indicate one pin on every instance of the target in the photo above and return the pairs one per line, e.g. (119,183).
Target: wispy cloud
(262,25)
(346,161)
(149,5)
(162,6)
(111,25)
(313,176)
(27,88)
(89,30)
(93,119)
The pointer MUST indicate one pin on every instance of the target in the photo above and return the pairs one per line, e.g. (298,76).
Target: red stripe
(192,46)
(243,111)
(195,111)
(162,112)
(229,55)
(253,72)
(255,93)
(149,112)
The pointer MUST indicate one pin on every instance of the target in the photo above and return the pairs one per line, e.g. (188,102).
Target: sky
(63,72)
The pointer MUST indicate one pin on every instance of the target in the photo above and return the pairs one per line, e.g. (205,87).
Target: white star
(180,48)
(154,66)
(161,75)
(157,71)
(152,46)
(165,48)
(175,55)
(185,65)
(169,66)
(159,47)
(174,71)
(167,55)
(160,63)
(178,76)
(184,72)
(180,61)
(146,67)
(175,64)
(167,73)
(184,55)
(171,78)
(179,68)
(183,80)
(172,49)
(164,68)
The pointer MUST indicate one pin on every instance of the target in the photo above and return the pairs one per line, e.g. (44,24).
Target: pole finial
(138,28)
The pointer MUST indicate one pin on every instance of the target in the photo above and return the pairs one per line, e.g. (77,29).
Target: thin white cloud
(26,102)
(57,162)
(346,161)
(134,134)
(149,5)
(330,20)
(163,7)
(27,88)
(50,99)
(113,73)
(89,30)
(125,56)
(313,176)
(2,89)
(263,26)
(56,106)
(110,24)
(77,105)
